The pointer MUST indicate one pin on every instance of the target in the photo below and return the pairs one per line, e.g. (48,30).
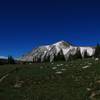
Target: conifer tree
(11,60)
(97,51)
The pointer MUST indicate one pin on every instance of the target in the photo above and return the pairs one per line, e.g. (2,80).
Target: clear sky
(28,24)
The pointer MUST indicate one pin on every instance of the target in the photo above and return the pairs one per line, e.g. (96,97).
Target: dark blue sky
(28,24)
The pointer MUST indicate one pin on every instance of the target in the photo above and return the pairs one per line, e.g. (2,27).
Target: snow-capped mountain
(49,52)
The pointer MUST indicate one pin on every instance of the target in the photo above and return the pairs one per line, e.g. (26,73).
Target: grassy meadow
(75,80)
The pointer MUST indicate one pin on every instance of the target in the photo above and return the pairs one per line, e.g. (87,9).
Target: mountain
(3,60)
(3,57)
(50,52)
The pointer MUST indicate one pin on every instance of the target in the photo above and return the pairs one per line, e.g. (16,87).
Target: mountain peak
(62,42)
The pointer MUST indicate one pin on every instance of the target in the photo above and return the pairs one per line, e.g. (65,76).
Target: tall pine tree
(11,60)
(97,51)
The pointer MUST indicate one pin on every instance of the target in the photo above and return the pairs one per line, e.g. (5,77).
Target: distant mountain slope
(49,52)
(3,57)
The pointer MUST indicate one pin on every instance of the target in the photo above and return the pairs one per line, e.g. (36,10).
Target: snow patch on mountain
(90,51)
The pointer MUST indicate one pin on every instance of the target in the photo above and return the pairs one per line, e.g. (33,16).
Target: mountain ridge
(49,52)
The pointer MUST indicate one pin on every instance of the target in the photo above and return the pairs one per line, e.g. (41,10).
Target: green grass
(41,82)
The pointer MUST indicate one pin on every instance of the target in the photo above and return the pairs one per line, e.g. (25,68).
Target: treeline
(10,60)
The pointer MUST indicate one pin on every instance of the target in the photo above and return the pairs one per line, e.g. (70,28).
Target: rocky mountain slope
(49,52)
